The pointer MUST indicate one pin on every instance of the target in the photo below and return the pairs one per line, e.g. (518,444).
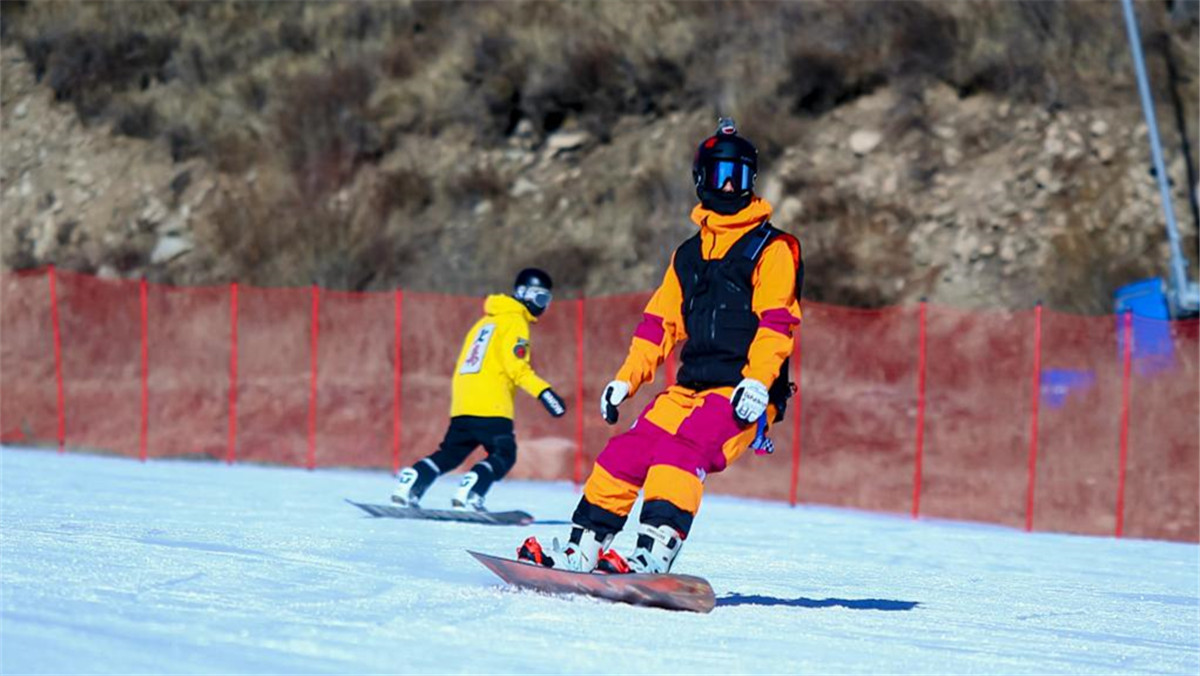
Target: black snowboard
(511,518)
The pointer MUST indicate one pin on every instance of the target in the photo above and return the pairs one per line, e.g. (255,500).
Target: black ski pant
(465,434)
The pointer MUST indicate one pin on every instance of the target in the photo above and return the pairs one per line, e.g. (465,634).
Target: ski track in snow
(111,566)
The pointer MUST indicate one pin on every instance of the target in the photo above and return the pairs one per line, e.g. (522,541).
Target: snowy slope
(110,566)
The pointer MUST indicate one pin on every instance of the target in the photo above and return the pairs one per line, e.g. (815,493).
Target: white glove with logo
(614,393)
(749,401)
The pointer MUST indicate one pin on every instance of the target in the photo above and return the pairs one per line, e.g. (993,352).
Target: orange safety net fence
(1029,418)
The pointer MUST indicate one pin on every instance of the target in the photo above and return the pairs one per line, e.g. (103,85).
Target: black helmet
(725,158)
(532,287)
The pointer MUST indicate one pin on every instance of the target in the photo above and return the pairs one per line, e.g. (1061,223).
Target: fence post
(396,370)
(143,433)
(1126,386)
(311,461)
(670,367)
(1035,400)
(231,451)
(920,451)
(58,365)
(796,418)
(577,475)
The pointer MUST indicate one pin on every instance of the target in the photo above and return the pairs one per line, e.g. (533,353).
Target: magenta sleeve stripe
(651,329)
(778,320)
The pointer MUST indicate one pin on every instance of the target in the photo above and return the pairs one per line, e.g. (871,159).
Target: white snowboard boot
(657,547)
(466,499)
(582,553)
(404,495)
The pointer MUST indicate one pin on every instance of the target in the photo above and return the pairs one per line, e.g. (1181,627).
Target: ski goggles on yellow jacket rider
(536,296)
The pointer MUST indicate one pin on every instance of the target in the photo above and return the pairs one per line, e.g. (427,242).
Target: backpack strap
(758,238)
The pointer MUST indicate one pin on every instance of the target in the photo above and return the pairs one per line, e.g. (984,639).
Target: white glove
(614,393)
(749,401)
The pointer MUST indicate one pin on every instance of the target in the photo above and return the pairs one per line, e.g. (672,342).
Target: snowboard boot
(466,499)
(581,554)
(657,547)
(413,482)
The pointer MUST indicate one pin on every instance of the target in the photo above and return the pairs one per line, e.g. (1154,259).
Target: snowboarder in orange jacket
(732,293)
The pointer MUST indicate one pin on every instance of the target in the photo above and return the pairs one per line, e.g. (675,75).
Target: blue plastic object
(1059,384)
(1153,350)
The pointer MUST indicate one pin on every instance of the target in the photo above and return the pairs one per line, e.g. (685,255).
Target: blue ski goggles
(536,296)
(716,173)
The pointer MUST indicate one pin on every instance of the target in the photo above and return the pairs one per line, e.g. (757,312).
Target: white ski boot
(403,495)
(466,499)
(657,547)
(582,553)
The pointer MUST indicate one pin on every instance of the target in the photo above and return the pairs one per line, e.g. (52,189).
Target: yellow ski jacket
(494,361)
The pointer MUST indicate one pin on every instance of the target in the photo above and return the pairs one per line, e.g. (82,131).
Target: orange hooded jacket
(774,301)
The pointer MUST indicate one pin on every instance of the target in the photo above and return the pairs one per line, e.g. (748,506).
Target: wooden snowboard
(673,592)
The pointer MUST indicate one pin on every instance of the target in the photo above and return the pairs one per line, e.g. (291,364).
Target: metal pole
(1184,295)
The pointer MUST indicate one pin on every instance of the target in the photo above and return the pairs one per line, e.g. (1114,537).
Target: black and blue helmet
(723,160)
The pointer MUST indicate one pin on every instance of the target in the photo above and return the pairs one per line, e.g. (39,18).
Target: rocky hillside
(981,154)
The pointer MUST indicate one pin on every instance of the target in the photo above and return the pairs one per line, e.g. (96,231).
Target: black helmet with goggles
(532,288)
(724,170)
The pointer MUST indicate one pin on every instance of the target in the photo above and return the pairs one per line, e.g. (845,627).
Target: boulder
(864,141)
(567,140)
(522,187)
(170,247)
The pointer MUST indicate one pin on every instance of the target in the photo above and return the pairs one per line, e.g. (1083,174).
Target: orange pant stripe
(610,493)
(676,486)
(734,448)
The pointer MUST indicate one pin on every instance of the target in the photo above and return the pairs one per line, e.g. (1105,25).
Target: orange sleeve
(777,308)
(661,327)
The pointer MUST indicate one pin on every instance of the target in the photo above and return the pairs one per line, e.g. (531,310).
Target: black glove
(553,403)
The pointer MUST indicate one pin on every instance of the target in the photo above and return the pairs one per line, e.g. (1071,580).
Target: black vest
(718,313)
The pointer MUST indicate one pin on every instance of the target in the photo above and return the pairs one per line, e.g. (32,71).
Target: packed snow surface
(112,566)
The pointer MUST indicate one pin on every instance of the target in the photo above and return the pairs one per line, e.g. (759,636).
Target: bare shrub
(295,37)
(478,184)
(595,82)
(254,93)
(86,67)
(233,150)
(838,246)
(323,127)
(495,80)
(281,238)
(403,189)
(923,41)
(568,265)
(400,60)
(138,120)
(183,143)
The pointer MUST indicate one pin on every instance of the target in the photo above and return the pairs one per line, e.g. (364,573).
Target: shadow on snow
(735,599)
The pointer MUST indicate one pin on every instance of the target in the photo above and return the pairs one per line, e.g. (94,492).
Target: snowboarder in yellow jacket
(493,362)
(730,295)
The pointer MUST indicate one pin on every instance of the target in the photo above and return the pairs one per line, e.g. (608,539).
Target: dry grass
(548,62)
(330,89)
